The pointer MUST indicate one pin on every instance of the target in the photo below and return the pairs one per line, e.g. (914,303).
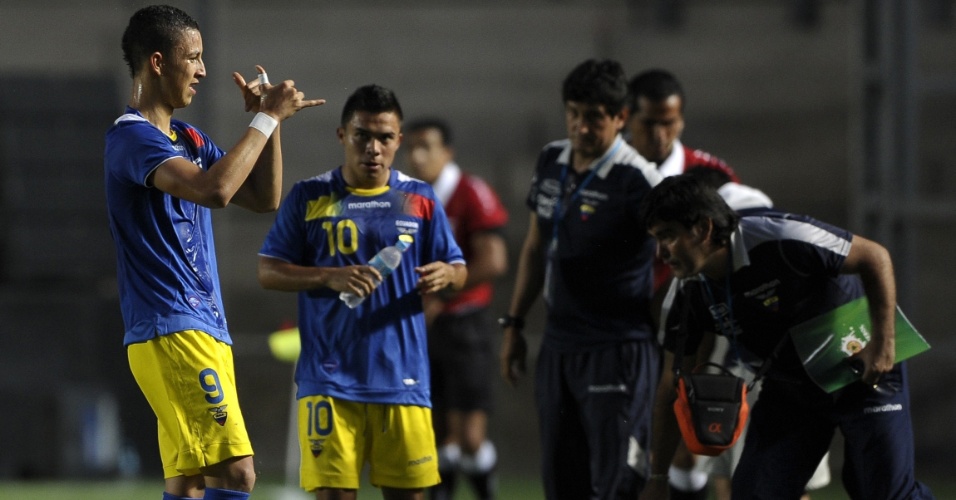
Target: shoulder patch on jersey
(324,206)
(194,136)
(419,206)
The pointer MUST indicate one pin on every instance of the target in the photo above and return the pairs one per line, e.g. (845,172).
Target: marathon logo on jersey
(887,408)
(420,461)
(594,197)
(406,226)
(607,388)
(766,293)
(219,414)
(368,205)
(316,446)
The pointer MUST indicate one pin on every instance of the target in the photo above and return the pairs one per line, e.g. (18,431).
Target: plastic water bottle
(385,261)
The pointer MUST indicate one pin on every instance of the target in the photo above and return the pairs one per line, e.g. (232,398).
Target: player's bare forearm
(875,267)
(262,190)
(438,276)
(276,274)
(488,258)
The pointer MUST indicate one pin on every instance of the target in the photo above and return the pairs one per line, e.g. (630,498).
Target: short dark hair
(713,177)
(688,200)
(597,81)
(372,99)
(429,123)
(654,85)
(156,28)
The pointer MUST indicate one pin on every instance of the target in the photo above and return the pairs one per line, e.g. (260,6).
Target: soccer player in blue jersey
(363,373)
(751,277)
(162,178)
(588,253)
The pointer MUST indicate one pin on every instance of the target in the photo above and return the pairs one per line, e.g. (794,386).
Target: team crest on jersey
(316,446)
(219,414)
(586,211)
(772,303)
(406,226)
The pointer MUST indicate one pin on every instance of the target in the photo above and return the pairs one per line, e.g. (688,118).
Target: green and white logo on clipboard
(823,343)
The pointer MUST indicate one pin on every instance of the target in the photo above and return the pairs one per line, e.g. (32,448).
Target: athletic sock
(222,494)
(448,457)
(480,469)
(687,484)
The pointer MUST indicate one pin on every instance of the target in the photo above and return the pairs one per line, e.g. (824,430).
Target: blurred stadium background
(841,109)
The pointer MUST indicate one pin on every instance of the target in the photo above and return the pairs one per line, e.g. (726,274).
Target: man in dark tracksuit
(751,278)
(589,255)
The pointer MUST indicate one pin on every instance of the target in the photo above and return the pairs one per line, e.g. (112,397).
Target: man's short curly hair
(597,81)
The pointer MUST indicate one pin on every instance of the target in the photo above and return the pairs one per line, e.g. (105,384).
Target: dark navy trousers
(594,408)
(793,422)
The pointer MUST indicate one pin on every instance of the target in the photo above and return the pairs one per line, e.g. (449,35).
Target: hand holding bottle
(385,261)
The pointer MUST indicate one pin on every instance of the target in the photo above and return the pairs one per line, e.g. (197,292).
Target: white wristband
(264,123)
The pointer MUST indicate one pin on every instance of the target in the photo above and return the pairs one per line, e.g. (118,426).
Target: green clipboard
(823,343)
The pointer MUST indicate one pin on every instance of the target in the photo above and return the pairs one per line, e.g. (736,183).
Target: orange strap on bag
(711,410)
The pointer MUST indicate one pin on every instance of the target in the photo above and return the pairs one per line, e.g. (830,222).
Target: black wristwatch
(509,321)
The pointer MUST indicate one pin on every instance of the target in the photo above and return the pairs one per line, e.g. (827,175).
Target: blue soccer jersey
(166,256)
(377,352)
(786,271)
(599,266)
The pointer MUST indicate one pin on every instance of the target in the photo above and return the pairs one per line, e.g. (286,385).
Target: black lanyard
(558,214)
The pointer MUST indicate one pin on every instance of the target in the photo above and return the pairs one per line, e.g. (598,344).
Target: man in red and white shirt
(461,330)
(655,124)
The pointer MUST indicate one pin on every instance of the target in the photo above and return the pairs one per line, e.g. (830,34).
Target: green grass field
(146,490)
(510,489)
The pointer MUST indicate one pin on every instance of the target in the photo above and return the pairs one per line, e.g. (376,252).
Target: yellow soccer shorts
(189,380)
(337,437)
